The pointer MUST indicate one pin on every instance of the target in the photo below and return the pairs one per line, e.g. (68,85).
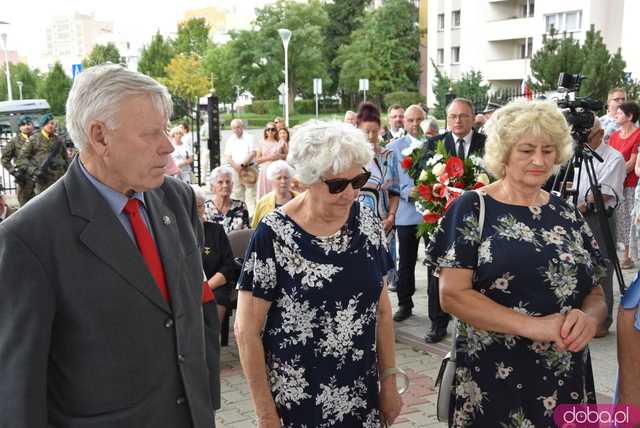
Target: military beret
(46,118)
(24,120)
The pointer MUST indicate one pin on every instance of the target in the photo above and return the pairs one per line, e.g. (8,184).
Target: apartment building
(498,37)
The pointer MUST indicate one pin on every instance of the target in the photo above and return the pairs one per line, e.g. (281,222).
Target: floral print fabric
(320,333)
(236,218)
(534,260)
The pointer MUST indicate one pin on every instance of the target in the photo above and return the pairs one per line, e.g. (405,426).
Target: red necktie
(147,246)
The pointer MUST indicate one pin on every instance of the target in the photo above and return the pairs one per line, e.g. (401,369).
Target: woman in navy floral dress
(526,291)
(314,278)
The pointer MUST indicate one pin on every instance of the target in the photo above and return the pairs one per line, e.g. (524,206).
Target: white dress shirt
(610,175)
(467,142)
(239,148)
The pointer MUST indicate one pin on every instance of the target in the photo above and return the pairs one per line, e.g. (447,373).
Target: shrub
(264,107)
(405,99)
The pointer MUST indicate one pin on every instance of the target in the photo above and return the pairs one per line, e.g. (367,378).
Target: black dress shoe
(402,313)
(436,335)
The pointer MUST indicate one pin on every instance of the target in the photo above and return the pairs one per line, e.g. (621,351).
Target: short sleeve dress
(320,333)
(536,260)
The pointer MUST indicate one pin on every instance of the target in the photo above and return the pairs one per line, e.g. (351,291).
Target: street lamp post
(6,64)
(20,85)
(285,35)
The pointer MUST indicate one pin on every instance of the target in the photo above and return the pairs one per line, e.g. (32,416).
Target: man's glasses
(338,185)
(461,117)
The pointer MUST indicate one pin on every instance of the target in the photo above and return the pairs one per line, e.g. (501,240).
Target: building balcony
(508,69)
(513,28)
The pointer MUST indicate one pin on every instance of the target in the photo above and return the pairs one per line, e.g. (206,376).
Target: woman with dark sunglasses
(269,150)
(315,278)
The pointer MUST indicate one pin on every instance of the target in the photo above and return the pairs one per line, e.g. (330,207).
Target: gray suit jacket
(86,339)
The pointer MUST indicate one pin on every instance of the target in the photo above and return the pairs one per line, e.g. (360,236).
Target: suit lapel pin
(166,220)
(207,251)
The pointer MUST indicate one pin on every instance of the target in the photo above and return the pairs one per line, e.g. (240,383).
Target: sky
(137,19)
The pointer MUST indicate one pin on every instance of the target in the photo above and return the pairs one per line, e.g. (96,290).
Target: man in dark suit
(461,141)
(101,315)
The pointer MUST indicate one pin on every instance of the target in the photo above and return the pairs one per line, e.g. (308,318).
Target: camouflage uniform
(12,156)
(36,151)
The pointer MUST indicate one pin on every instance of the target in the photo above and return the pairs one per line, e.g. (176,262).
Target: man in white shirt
(610,174)
(616,97)
(239,153)
(395,119)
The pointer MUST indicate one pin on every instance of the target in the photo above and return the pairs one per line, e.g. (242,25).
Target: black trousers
(607,285)
(408,256)
(439,319)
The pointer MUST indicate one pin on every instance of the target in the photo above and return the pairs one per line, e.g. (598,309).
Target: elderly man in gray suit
(101,282)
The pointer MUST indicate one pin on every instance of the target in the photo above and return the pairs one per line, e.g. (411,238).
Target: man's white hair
(98,92)
(276,167)
(320,147)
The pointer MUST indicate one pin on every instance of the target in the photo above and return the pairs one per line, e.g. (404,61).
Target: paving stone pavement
(421,361)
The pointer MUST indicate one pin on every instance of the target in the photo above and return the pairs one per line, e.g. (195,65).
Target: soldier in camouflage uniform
(46,155)
(12,156)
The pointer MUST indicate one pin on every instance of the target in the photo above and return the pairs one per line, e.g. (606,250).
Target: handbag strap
(452,356)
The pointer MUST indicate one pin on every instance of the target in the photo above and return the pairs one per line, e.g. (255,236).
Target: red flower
(455,167)
(477,185)
(425,191)
(459,184)
(406,162)
(431,218)
(439,190)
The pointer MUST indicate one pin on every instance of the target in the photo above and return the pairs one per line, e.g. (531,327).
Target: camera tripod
(583,157)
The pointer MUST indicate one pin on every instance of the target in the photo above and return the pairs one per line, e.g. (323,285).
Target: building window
(527,8)
(441,22)
(455,55)
(565,21)
(526,47)
(440,56)
(455,19)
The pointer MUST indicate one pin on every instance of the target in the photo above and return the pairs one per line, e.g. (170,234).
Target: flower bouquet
(443,178)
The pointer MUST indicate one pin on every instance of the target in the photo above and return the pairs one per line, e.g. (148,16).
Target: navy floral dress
(320,332)
(535,260)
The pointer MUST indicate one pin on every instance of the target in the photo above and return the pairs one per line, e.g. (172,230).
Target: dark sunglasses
(338,185)
(271,129)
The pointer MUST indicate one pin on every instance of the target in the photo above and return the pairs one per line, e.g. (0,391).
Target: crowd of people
(130,270)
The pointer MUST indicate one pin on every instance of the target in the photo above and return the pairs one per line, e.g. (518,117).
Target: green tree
(384,50)
(260,56)
(441,86)
(55,89)
(185,77)
(602,70)
(21,73)
(101,54)
(558,54)
(220,63)
(192,37)
(344,16)
(155,57)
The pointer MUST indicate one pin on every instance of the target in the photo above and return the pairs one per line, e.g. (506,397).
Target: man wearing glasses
(616,97)
(461,141)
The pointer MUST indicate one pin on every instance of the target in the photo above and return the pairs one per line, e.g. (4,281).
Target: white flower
(501,284)
(434,159)
(535,210)
(423,175)
(567,258)
(407,151)
(483,178)
(438,169)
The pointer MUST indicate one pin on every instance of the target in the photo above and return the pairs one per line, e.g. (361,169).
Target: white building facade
(498,37)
